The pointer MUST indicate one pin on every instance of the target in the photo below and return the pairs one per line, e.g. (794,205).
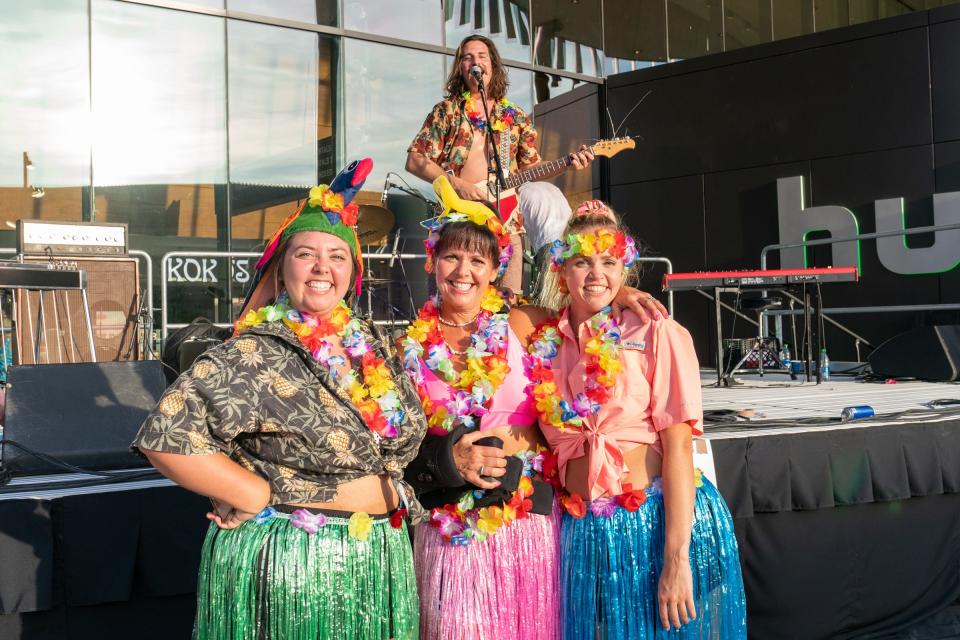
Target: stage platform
(774,397)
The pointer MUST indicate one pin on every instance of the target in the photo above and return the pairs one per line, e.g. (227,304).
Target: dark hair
(497,89)
(468,236)
(281,253)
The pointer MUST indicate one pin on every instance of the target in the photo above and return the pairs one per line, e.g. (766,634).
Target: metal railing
(845,310)
(166,325)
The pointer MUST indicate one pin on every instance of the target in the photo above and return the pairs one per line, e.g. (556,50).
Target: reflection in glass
(388,91)
(521,88)
(505,22)
(417,20)
(551,85)
(792,18)
(830,14)
(568,35)
(159,134)
(313,11)
(746,22)
(694,28)
(44,111)
(635,34)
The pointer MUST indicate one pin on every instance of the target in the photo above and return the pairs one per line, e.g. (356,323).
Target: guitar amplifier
(113,293)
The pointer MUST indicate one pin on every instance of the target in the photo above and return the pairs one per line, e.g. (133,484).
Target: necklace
(498,121)
(485,369)
(372,391)
(602,366)
(446,322)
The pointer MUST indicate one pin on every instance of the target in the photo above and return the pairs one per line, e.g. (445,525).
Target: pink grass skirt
(506,586)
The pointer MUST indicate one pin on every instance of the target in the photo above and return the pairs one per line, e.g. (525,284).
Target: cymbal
(373,224)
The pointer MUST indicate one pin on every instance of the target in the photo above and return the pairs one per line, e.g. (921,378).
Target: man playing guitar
(453,140)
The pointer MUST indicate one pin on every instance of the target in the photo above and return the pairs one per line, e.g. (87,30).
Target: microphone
(477,74)
(383,195)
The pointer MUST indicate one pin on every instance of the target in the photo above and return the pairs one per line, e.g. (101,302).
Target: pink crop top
(511,403)
(658,388)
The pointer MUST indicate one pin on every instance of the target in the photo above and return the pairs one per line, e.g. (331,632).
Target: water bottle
(785,355)
(824,365)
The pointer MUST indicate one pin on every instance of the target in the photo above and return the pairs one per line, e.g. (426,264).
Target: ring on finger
(480,472)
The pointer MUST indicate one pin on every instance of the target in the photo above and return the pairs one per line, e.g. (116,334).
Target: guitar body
(509,210)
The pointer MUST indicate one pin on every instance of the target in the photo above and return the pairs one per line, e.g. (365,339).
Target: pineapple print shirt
(263,401)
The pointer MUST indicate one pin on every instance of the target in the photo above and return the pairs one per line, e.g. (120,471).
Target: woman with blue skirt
(647,543)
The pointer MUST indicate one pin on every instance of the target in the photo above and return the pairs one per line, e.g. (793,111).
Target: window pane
(521,88)
(695,28)
(281,114)
(792,18)
(388,91)
(505,22)
(635,34)
(44,112)
(746,22)
(313,11)
(568,35)
(159,140)
(417,20)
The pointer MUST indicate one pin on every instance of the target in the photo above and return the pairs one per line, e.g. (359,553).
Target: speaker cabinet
(113,293)
(927,353)
(84,414)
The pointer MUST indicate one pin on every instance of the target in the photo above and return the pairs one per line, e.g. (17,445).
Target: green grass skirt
(273,581)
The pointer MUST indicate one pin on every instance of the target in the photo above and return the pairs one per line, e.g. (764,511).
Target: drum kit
(390,294)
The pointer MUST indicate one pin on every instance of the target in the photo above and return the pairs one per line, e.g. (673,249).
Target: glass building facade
(199,122)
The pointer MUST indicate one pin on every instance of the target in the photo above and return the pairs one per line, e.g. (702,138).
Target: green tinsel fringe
(273,581)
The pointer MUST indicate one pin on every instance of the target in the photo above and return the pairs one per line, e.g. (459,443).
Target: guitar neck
(542,170)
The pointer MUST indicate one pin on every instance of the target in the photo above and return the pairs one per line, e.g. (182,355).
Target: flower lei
(485,369)
(358,525)
(508,113)
(489,220)
(617,243)
(461,523)
(629,499)
(375,396)
(603,366)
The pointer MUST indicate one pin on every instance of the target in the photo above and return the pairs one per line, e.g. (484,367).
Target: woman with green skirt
(298,430)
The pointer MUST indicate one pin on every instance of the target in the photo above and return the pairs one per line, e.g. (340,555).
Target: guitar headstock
(612,146)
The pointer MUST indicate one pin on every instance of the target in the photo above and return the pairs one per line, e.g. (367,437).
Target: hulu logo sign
(797,221)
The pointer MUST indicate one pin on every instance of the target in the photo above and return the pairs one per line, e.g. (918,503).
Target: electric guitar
(509,200)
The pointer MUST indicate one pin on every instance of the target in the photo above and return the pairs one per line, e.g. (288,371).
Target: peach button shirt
(658,388)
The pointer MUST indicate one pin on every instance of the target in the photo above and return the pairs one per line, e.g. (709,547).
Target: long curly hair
(497,89)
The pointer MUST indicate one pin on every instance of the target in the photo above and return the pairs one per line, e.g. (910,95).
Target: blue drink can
(856,413)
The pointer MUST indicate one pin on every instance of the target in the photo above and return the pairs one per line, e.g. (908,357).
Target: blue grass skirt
(610,568)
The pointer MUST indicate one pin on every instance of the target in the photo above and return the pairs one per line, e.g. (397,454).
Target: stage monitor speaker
(927,353)
(84,414)
(113,292)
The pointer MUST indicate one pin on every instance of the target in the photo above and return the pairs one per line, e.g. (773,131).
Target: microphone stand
(496,167)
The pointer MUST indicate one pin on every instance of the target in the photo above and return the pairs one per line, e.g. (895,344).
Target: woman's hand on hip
(474,461)
(675,593)
(227,516)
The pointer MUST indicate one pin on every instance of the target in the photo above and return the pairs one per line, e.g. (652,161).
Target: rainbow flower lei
(507,115)
(375,396)
(617,243)
(603,366)
(485,369)
(462,523)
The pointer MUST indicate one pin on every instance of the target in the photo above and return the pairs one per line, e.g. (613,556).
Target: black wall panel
(855,111)
(945,76)
(846,98)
